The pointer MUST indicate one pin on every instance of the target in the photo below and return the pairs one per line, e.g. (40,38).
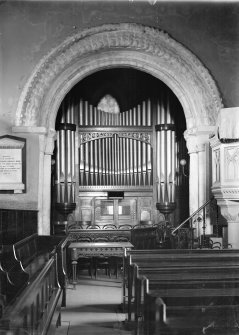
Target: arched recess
(115,45)
(121,45)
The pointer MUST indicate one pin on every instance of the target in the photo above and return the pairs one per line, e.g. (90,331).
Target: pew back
(198,279)
(33,311)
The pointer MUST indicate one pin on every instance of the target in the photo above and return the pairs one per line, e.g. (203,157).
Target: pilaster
(197,140)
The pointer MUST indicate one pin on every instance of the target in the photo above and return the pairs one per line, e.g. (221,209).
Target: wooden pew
(13,278)
(205,308)
(168,258)
(188,274)
(37,309)
(34,251)
(183,278)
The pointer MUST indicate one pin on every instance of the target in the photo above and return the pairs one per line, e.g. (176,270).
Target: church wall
(29,199)
(31,29)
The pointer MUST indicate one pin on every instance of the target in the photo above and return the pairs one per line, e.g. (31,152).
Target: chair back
(109,226)
(101,239)
(125,226)
(94,227)
(84,239)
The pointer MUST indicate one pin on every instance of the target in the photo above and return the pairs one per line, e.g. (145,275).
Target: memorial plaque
(12,163)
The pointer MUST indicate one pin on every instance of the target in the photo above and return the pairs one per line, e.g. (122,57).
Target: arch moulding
(115,45)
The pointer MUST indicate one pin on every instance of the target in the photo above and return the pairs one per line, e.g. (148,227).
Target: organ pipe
(115,160)
(65,160)
(139,115)
(136,163)
(91,144)
(104,181)
(166,150)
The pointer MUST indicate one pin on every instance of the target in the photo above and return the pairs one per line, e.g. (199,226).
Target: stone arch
(114,45)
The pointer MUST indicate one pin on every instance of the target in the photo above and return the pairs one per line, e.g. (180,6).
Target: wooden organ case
(112,168)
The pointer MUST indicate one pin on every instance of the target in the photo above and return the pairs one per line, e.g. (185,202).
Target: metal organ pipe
(149,112)
(117,159)
(104,181)
(166,165)
(65,160)
(91,144)
(139,115)
(136,163)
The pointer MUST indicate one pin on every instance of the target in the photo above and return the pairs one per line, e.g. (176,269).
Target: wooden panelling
(16,225)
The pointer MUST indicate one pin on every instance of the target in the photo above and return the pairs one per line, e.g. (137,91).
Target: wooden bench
(37,309)
(31,254)
(173,279)
(11,285)
(186,310)
(181,277)
(158,259)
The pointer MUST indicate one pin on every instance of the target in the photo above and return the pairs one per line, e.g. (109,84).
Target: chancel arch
(122,45)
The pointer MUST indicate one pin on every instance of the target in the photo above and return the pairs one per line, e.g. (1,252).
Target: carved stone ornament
(131,45)
(230,210)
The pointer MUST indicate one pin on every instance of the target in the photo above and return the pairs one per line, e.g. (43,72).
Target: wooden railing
(199,217)
(37,309)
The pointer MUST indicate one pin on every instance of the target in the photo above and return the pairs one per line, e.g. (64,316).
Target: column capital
(196,138)
(32,130)
(214,141)
(200,131)
(47,142)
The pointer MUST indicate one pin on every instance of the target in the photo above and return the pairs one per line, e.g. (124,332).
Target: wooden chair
(79,225)
(85,262)
(109,226)
(125,226)
(84,224)
(136,226)
(115,261)
(102,262)
(94,227)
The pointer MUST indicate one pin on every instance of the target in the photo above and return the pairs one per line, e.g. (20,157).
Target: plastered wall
(29,30)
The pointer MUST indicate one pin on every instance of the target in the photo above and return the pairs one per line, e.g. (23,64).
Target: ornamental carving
(86,137)
(232,163)
(230,211)
(216,166)
(146,48)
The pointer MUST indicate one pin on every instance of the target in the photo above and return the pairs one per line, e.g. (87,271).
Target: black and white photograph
(119,167)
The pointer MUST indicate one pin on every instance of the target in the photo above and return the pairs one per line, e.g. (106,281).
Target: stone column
(46,151)
(40,145)
(197,143)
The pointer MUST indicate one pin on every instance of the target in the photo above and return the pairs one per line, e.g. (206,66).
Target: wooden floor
(93,308)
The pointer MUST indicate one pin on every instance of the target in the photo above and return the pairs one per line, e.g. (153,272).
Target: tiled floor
(93,308)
